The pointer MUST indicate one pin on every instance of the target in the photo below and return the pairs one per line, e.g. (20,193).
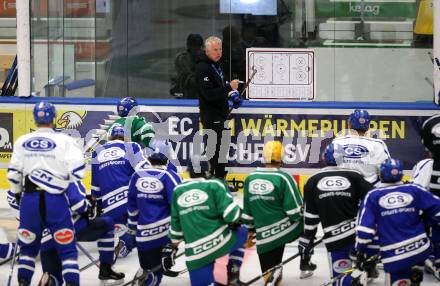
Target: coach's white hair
(211,40)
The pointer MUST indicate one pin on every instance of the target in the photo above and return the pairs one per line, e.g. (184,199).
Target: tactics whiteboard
(282,74)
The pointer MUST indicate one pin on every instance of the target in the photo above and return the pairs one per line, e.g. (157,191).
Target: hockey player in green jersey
(141,132)
(272,206)
(205,216)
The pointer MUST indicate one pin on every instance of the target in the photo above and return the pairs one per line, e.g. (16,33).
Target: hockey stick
(246,85)
(89,265)
(10,86)
(252,281)
(347,272)
(169,273)
(8,77)
(12,264)
(84,251)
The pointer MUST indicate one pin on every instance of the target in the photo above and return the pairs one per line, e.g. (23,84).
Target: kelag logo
(6,129)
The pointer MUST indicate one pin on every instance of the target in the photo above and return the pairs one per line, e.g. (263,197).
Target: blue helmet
(391,170)
(160,150)
(44,112)
(125,105)
(360,120)
(117,131)
(329,157)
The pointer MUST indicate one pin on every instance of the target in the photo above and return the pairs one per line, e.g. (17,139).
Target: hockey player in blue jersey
(43,164)
(397,213)
(149,208)
(88,227)
(113,164)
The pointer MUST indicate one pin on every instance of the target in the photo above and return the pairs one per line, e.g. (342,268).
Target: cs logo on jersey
(334,183)
(149,185)
(395,200)
(109,154)
(39,144)
(26,236)
(341,265)
(355,151)
(192,198)
(261,187)
(64,236)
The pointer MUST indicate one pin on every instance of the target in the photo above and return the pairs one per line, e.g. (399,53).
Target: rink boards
(304,128)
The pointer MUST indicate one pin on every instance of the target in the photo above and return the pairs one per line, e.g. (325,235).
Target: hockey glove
(92,211)
(235,100)
(359,258)
(168,256)
(251,239)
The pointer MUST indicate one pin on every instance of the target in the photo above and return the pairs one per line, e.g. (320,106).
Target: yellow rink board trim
(233,179)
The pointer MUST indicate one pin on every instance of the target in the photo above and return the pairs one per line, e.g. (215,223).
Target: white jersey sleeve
(422,171)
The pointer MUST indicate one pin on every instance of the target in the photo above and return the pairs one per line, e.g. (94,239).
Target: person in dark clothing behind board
(214,92)
(184,85)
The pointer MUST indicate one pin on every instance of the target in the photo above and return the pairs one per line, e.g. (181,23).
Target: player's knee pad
(416,275)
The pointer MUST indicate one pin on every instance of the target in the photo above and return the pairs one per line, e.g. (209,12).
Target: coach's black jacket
(213,92)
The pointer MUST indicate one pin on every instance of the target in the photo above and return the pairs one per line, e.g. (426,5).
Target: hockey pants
(204,276)
(35,216)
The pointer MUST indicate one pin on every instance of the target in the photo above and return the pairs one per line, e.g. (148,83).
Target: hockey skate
(108,276)
(234,275)
(360,278)
(430,268)
(274,278)
(307,268)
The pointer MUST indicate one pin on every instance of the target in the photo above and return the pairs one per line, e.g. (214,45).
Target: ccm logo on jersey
(261,187)
(64,236)
(155,230)
(26,236)
(395,200)
(276,229)
(109,154)
(344,228)
(192,198)
(355,151)
(208,245)
(41,144)
(341,265)
(116,198)
(149,185)
(410,247)
(334,183)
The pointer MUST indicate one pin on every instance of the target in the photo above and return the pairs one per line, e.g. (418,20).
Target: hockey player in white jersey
(361,153)
(426,173)
(43,164)
(397,213)
(332,198)
(150,195)
(113,164)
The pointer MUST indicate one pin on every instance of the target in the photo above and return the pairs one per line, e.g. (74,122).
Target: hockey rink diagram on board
(282,74)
